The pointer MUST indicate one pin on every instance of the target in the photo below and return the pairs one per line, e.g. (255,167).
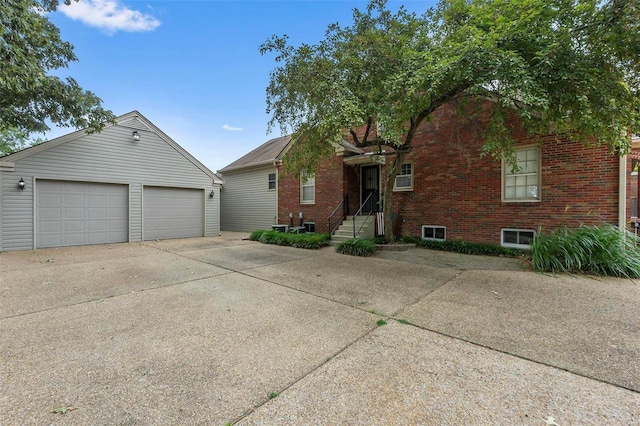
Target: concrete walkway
(219,331)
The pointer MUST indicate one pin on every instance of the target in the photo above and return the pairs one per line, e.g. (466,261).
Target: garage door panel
(93,225)
(97,213)
(50,226)
(77,213)
(73,226)
(173,213)
(97,200)
(50,212)
(73,213)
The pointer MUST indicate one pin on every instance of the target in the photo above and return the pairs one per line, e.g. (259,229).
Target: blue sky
(193,67)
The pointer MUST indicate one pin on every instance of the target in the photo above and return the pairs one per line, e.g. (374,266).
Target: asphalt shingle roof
(268,151)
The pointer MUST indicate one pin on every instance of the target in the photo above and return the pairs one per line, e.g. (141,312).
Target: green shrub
(598,250)
(464,247)
(307,241)
(357,247)
(255,235)
(310,241)
(379,240)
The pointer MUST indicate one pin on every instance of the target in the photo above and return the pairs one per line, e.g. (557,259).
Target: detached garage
(129,183)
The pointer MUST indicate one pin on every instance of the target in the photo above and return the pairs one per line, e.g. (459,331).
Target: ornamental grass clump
(598,250)
(357,247)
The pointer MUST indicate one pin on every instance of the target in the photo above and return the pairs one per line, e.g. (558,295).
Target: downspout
(275,219)
(622,193)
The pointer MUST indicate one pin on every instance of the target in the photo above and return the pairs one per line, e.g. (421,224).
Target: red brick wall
(455,186)
(329,193)
(352,187)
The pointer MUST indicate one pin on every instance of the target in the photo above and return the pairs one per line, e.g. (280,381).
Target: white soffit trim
(364,159)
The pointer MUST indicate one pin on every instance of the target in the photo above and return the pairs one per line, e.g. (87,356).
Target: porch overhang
(364,159)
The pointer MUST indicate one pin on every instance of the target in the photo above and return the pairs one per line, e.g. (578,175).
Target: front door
(370,181)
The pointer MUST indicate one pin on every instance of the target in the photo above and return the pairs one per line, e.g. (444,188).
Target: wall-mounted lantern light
(211,194)
(136,136)
(21,184)
(300,216)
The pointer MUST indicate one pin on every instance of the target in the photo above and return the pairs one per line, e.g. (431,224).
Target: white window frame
(307,181)
(515,245)
(525,174)
(400,174)
(434,227)
(269,181)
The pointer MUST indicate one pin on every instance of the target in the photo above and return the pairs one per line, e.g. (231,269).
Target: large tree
(30,49)
(569,67)
(12,140)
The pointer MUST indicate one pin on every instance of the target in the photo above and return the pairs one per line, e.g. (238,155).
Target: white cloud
(231,128)
(109,15)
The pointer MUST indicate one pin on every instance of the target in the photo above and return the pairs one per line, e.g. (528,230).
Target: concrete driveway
(217,331)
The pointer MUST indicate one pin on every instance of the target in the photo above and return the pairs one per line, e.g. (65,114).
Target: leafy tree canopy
(12,140)
(30,47)
(563,66)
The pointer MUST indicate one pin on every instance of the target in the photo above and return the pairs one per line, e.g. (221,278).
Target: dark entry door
(370,181)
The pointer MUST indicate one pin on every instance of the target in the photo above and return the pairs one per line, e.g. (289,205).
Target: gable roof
(132,119)
(267,153)
(272,151)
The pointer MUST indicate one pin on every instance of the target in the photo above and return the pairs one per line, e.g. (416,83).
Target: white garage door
(173,213)
(79,213)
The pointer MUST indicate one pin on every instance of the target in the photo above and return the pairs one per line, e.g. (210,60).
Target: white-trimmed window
(517,238)
(307,189)
(272,181)
(521,181)
(404,180)
(430,232)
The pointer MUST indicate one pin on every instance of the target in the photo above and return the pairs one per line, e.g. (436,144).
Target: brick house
(448,190)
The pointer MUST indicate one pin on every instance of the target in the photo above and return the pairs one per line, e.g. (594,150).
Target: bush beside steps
(306,241)
(357,247)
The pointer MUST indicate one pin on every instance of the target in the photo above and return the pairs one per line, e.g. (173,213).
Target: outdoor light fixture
(290,215)
(136,136)
(211,194)
(21,184)
(300,217)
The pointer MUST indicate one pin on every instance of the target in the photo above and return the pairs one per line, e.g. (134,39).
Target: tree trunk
(387,197)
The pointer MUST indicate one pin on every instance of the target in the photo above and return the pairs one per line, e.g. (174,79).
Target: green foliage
(379,240)
(381,322)
(598,250)
(306,241)
(569,67)
(12,140)
(255,235)
(464,247)
(31,48)
(357,247)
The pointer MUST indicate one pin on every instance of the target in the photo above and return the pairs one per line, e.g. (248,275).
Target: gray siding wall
(109,157)
(247,202)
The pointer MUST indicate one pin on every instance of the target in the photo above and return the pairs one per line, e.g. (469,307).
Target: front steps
(345,231)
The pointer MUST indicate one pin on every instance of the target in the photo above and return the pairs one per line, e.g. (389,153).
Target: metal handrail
(345,211)
(355,233)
